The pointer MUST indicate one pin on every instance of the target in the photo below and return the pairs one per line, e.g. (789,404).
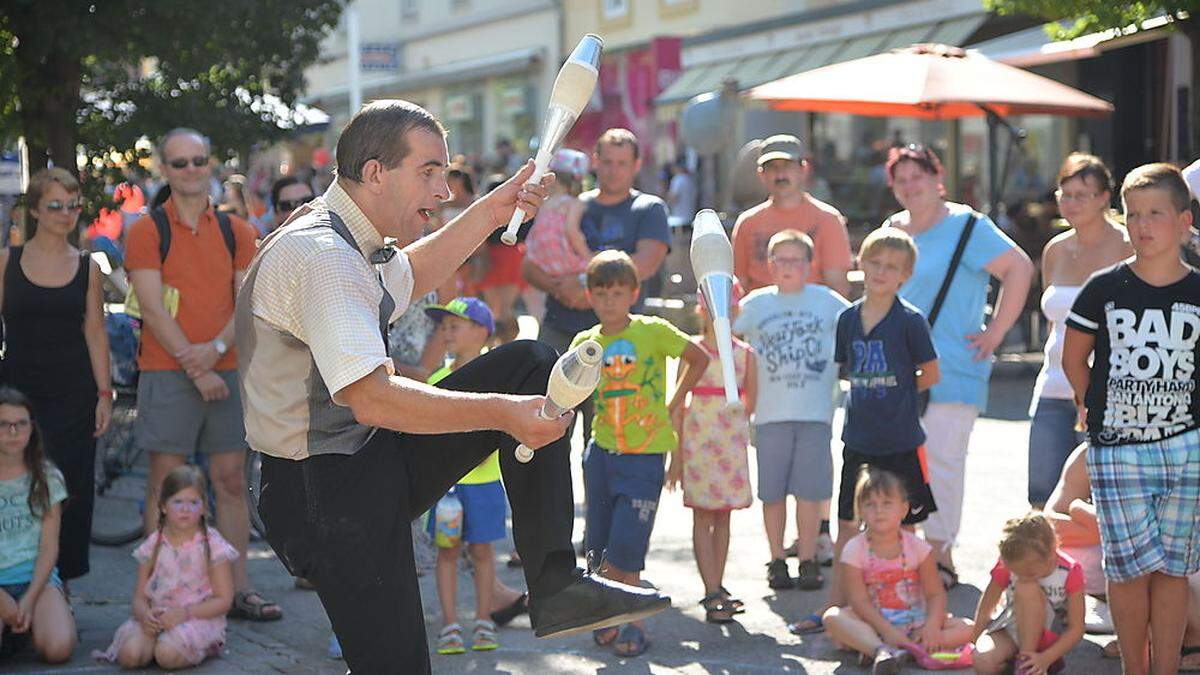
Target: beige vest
(289,412)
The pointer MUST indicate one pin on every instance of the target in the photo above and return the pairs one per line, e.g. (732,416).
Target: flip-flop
(505,615)
(599,636)
(815,625)
(948,576)
(1189,661)
(631,634)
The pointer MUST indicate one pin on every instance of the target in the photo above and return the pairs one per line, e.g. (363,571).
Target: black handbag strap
(954,261)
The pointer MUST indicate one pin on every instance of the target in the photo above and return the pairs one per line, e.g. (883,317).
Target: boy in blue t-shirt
(886,352)
(623,470)
(1141,320)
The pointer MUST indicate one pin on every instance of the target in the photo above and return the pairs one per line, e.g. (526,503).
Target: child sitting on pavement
(1040,586)
(891,580)
(184,584)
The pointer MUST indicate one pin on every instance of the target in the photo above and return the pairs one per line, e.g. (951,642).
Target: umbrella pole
(997,178)
(993,164)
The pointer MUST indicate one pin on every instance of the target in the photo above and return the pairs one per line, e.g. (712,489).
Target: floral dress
(180,578)
(716,476)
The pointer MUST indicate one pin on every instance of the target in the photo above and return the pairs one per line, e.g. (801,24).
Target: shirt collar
(340,202)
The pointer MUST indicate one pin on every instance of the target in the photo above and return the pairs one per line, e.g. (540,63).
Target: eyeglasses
(1074,196)
(182,162)
(15,427)
(56,205)
(289,205)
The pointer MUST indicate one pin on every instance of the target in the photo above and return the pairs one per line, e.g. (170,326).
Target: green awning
(751,71)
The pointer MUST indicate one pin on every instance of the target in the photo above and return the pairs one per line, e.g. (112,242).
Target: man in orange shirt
(785,173)
(188,399)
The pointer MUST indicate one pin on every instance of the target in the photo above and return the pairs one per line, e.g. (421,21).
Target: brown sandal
(251,605)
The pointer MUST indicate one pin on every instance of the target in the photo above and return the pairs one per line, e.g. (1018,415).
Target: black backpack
(164,232)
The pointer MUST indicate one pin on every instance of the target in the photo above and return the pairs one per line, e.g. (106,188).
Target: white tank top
(1052,381)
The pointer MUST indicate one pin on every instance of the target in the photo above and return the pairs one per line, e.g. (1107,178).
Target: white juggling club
(575,376)
(572,89)
(712,262)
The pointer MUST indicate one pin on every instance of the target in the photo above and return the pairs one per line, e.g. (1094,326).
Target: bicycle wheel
(121,471)
(258,531)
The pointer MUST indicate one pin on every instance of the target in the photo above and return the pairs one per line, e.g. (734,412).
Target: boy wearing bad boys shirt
(1141,318)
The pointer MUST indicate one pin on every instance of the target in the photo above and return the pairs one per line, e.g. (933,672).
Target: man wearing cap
(351,452)
(785,173)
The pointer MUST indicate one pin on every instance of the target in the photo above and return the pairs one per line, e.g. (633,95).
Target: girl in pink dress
(555,242)
(184,585)
(711,465)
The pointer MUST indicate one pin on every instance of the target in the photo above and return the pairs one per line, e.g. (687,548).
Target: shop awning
(751,71)
(1034,47)
(492,65)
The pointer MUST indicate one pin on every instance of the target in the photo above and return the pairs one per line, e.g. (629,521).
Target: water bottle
(447,521)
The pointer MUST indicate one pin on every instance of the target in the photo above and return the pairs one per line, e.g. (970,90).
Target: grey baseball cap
(781,146)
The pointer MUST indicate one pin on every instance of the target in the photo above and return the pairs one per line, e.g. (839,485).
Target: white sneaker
(1098,620)
(825,550)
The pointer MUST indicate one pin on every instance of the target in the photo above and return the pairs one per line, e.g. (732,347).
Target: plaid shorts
(1147,500)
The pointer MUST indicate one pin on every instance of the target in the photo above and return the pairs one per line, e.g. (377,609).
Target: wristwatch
(220,346)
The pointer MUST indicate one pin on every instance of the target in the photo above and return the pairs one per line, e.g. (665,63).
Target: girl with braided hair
(184,585)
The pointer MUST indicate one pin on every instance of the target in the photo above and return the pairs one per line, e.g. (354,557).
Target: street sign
(379,56)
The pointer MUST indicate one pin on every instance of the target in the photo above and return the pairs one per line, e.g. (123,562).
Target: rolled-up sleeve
(336,313)
(397,278)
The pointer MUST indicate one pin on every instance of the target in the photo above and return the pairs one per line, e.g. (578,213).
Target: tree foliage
(1072,18)
(1091,16)
(102,73)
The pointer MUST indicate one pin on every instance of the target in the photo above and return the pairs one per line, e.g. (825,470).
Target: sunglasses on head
(56,205)
(182,162)
(289,205)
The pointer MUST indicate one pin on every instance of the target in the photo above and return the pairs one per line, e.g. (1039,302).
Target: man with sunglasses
(188,399)
(288,194)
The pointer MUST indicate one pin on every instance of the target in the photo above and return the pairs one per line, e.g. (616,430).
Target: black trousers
(68,425)
(342,521)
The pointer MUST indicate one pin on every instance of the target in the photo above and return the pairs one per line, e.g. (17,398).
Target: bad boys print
(1151,366)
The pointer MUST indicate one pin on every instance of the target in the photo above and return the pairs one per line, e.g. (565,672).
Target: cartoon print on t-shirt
(620,400)
(1151,365)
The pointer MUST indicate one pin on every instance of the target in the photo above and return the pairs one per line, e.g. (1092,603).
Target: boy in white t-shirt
(791,326)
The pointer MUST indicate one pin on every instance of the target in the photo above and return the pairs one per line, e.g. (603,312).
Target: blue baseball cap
(471,309)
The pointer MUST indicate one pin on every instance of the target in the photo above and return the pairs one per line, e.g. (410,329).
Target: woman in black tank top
(56,351)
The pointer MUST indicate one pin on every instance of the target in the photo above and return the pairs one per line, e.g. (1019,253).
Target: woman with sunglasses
(56,349)
(964,345)
(1093,242)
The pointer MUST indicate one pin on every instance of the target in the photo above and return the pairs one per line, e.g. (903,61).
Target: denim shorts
(484,510)
(1147,499)
(1052,437)
(16,591)
(622,499)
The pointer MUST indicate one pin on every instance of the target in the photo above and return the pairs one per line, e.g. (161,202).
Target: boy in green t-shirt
(465,325)
(623,465)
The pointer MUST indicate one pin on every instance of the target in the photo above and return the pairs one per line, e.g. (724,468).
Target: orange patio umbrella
(930,81)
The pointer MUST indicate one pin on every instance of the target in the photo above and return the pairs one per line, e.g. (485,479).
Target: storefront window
(463,117)
(513,98)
